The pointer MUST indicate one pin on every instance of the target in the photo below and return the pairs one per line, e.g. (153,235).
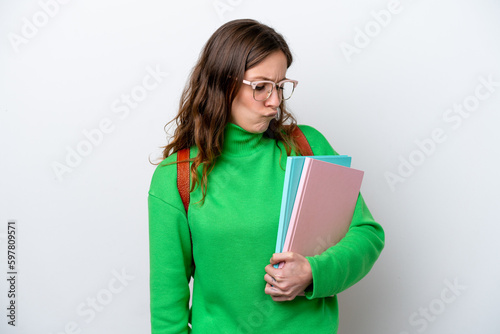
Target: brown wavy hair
(205,104)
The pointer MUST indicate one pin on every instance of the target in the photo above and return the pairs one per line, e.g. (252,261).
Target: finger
(274,272)
(271,290)
(280,257)
(278,295)
(272,282)
(270,269)
(269,279)
(282,298)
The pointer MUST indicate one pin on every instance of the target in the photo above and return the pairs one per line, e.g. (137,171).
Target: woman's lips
(272,114)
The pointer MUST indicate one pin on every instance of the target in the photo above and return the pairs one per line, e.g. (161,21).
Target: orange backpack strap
(183,187)
(183,176)
(302,142)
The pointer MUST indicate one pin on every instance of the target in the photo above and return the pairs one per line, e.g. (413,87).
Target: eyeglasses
(262,90)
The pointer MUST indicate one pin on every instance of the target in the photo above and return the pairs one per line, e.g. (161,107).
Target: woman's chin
(261,127)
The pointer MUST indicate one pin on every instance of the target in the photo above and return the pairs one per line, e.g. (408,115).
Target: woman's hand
(289,281)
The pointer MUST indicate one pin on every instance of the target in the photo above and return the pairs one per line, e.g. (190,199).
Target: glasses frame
(254,84)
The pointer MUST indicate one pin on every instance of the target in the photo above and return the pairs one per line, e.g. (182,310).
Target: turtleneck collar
(238,141)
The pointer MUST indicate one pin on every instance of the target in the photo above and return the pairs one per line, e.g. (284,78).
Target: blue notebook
(293,171)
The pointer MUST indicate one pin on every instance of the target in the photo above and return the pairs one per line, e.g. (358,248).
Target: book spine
(296,206)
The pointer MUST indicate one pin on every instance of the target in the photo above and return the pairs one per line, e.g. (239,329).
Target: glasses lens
(287,90)
(262,91)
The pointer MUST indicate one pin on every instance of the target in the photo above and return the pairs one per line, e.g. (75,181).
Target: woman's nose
(274,100)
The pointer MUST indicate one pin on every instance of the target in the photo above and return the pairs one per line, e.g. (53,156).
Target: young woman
(233,118)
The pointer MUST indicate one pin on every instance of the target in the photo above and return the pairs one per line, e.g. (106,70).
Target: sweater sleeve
(344,264)
(170,254)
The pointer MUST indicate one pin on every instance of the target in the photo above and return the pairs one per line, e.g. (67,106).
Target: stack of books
(319,197)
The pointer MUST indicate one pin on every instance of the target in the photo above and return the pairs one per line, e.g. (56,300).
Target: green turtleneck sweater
(234,236)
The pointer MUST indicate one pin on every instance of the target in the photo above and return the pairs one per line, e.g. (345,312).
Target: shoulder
(317,140)
(164,182)
(311,133)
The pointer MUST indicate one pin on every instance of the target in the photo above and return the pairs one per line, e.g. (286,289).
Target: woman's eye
(260,87)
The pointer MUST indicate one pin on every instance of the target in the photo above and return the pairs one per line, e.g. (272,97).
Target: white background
(66,73)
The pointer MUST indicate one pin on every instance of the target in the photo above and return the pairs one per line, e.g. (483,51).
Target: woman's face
(254,116)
